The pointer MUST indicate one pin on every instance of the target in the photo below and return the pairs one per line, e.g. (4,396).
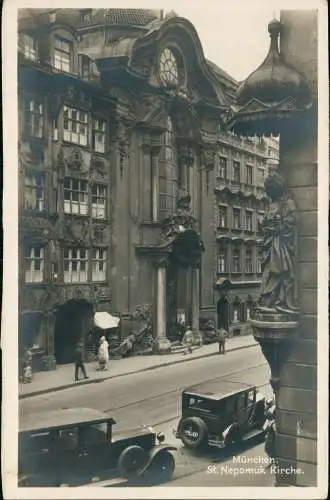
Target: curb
(149,368)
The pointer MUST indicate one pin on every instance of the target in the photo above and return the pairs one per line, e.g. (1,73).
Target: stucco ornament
(182,219)
(279,245)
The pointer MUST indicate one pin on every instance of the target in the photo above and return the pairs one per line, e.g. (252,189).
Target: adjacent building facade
(124,169)
(242,165)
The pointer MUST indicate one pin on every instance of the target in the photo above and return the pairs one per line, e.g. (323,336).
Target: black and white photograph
(166,181)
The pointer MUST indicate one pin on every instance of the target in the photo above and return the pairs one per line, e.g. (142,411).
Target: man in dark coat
(79,361)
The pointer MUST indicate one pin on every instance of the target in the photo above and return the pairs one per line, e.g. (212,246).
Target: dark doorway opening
(74,322)
(223,313)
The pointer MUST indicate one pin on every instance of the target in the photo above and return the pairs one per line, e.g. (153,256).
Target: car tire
(132,460)
(161,468)
(193,432)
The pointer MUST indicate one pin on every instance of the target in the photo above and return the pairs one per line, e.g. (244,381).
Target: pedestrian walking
(222,335)
(27,366)
(187,340)
(79,361)
(103,354)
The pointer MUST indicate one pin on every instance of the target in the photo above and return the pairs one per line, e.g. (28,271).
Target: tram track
(173,391)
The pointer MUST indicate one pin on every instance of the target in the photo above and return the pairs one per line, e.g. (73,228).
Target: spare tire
(132,460)
(193,432)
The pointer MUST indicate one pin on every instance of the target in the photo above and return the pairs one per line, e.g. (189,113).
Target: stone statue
(279,246)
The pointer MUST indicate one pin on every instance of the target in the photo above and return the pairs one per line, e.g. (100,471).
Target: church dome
(273,80)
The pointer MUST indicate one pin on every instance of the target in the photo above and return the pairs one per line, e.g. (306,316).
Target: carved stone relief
(100,234)
(76,231)
(97,165)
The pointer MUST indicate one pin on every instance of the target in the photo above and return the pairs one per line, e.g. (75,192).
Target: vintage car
(220,413)
(75,447)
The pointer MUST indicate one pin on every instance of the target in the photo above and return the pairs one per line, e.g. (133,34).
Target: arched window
(168,68)
(168,174)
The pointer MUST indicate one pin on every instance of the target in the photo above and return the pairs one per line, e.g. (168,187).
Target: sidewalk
(62,377)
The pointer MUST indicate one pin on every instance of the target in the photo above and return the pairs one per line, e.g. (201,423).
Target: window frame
(31,54)
(249,174)
(222,216)
(249,217)
(61,51)
(96,206)
(99,132)
(33,189)
(236,169)
(222,258)
(248,251)
(78,203)
(97,260)
(76,123)
(236,257)
(236,212)
(77,260)
(32,259)
(222,170)
(34,119)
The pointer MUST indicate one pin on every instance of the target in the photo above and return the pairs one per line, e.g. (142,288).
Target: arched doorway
(182,294)
(74,321)
(223,313)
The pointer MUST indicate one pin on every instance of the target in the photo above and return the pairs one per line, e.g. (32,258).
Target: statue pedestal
(275,331)
(162,346)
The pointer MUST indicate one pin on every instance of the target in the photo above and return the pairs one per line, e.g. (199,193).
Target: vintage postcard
(164,323)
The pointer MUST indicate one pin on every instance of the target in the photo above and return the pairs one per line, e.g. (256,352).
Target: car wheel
(161,468)
(193,432)
(132,460)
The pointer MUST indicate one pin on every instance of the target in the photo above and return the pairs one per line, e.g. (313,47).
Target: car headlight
(160,437)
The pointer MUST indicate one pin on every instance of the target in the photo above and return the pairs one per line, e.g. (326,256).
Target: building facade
(121,160)
(242,165)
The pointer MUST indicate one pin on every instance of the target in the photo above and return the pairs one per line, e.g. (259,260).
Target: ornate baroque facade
(121,155)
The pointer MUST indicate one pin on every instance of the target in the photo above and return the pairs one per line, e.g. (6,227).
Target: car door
(241,410)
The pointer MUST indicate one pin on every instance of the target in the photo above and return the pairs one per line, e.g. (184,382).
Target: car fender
(228,430)
(154,452)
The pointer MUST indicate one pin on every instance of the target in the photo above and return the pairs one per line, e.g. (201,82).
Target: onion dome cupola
(273,94)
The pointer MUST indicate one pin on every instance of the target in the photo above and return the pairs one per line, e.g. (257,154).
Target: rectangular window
(99,264)
(248,221)
(259,261)
(236,172)
(222,222)
(75,126)
(34,118)
(34,265)
(55,129)
(222,168)
(85,67)
(260,221)
(236,260)
(248,261)
(236,218)
(99,195)
(30,47)
(34,192)
(222,259)
(75,265)
(62,54)
(99,132)
(75,196)
(261,175)
(249,175)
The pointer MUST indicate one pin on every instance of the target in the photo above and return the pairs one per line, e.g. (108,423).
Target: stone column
(188,305)
(161,343)
(195,303)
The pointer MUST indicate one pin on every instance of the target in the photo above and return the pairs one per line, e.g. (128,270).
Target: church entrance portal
(74,321)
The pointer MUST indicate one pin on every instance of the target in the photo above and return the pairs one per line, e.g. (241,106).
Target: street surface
(153,398)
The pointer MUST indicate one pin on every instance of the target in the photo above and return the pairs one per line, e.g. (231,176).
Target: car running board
(252,434)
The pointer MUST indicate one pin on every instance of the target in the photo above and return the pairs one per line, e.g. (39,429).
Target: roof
(61,418)
(218,389)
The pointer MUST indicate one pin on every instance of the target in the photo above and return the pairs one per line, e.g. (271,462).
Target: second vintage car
(220,413)
(76,447)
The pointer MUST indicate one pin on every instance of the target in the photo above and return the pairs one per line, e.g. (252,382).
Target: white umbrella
(105,320)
